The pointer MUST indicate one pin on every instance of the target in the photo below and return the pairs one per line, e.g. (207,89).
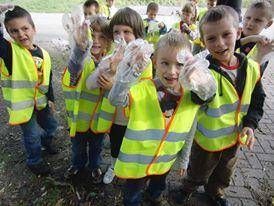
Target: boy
(27,89)
(91,8)
(231,117)
(258,16)
(161,119)
(109,9)
(153,28)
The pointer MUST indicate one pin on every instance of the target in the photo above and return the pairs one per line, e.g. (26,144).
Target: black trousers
(116,136)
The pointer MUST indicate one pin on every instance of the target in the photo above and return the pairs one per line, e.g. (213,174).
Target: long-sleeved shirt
(6,55)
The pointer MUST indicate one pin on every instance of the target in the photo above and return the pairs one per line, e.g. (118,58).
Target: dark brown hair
(128,17)
(18,12)
(152,7)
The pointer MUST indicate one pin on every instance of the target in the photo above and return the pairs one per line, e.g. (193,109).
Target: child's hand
(182,172)
(185,28)
(5,7)
(161,25)
(80,35)
(52,106)
(264,50)
(105,81)
(247,131)
(263,40)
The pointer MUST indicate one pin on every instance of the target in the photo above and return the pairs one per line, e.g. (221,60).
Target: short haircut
(265,6)
(152,6)
(218,13)
(173,39)
(18,12)
(89,3)
(128,17)
(101,24)
(189,8)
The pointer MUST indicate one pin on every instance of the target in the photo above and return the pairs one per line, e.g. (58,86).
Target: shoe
(42,168)
(221,201)
(181,197)
(159,201)
(71,172)
(96,175)
(51,149)
(109,176)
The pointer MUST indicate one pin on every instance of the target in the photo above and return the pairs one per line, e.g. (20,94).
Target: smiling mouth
(221,52)
(170,80)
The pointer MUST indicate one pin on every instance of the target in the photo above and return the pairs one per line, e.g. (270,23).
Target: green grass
(50,6)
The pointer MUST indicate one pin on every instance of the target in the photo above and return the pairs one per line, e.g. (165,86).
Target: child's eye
(164,63)
(210,39)
(127,32)
(227,34)
(258,20)
(180,65)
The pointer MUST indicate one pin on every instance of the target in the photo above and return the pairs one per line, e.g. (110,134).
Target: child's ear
(239,32)
(153,59)
(269,24)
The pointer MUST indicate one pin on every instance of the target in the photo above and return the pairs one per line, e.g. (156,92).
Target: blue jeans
(37,132)
(134,189)
(80,143)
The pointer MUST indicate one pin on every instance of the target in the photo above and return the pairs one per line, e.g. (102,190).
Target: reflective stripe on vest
(220,122)
(150,146)
(81,104)
(23,90)
(107,112)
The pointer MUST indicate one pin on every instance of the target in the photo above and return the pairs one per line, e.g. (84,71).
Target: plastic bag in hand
(152,27)
(136,58)
(196,76)
(4,8)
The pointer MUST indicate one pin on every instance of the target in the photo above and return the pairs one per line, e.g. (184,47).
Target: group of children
(149,119)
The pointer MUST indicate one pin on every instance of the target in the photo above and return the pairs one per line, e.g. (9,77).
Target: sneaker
(51,149)
(149,201)
(221,201)
(71,172)
(181,197)
(42,168)
(109,176)
(96,175)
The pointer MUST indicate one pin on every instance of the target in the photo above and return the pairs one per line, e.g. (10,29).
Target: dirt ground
(19,187)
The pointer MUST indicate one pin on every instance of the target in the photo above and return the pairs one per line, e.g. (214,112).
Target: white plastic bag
(136,58)
(4,8)
(196,76)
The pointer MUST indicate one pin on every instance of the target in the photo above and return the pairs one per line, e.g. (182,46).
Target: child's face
(194,1)
(151,14)
(100,43)
(123,31)
(219,38)
(211,4)
(187,16)
(168,68)
(21,31)
(90,11)
(254,22)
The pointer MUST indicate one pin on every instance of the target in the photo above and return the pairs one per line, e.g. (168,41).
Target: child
(153,28)
(128,25)
(82,103)
(108,10)
(160,123)
(231,117)
(257,17)
(27,87)
(186,25)
(91,8)
(209,4)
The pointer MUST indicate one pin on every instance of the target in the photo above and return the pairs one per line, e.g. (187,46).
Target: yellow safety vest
(107,112)
(22,90)
(251,54)
(81,103)
(150,145)
(105,11)
(192,27)
(154,37)
(220,123)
